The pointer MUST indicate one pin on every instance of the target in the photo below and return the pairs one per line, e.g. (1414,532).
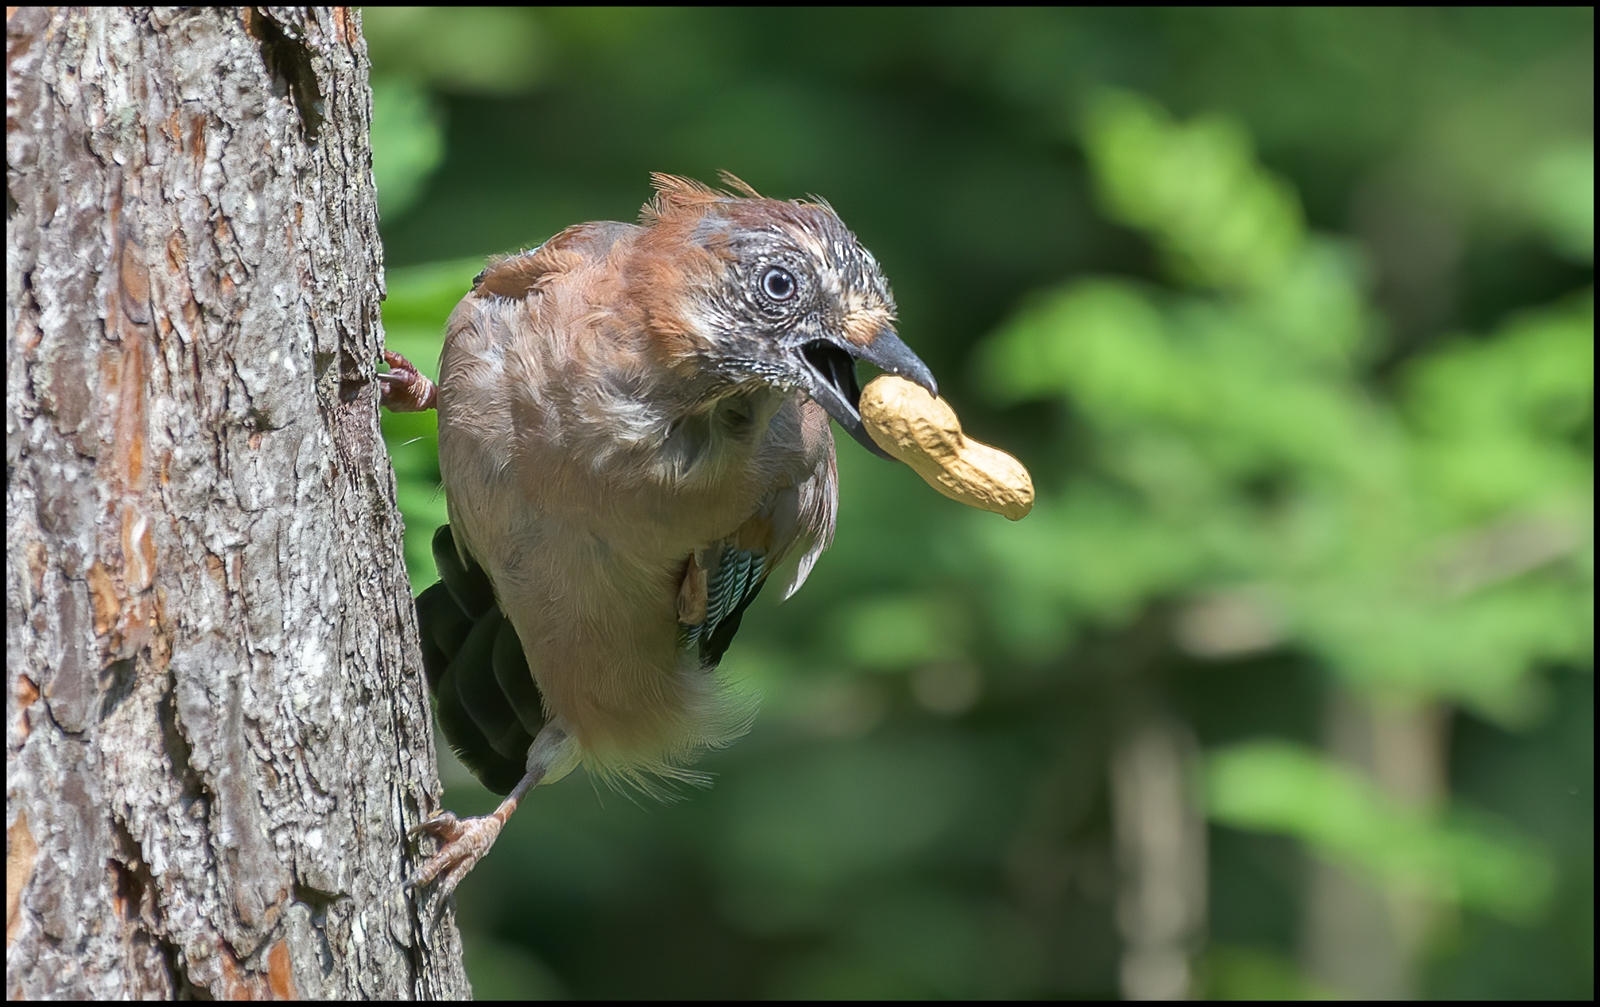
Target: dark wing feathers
(734,577)
(737,568)
(444,629)
(479,687)
(499,774)
(484,695)
(515,679)
(461,576)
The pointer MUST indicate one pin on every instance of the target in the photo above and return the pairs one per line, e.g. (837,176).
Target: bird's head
(769,291)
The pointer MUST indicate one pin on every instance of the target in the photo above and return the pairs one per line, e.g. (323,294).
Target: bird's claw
(404,388)
(466,840)
(445,825)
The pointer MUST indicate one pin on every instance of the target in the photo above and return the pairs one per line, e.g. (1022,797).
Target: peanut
(923,432)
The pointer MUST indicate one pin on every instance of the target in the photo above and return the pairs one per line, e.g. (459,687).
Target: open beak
(832,363)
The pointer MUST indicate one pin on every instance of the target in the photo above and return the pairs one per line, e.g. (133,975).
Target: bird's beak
(831,362)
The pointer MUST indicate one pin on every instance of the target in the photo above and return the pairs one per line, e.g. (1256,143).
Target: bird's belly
(598,621)
(587,550)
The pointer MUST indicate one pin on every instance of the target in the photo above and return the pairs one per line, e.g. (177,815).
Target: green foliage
(409,131)
(1289,312)
(1433,543)
(1197,188)
(1237,433)
(1237,973)
(481,50)
(1276,787)
(1560,197)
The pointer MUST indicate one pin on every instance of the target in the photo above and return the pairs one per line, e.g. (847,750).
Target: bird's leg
(405,389)
(467,840)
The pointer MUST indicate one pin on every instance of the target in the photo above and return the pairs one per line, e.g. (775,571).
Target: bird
(633,438)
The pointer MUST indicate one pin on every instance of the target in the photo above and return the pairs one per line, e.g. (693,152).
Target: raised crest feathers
(675,193)
(738,184)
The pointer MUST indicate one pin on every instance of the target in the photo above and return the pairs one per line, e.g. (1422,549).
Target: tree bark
(217,732)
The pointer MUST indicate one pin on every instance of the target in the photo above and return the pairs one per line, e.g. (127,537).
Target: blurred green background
(1283,690)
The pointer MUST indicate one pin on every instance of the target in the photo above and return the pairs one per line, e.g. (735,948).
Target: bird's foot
(465,843)
(552,753)
(405,389)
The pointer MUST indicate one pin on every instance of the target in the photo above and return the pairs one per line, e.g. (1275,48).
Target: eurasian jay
(633,434)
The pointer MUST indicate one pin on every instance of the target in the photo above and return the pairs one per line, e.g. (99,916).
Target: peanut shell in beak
(923,432)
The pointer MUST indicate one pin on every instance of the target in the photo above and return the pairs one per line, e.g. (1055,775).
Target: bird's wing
(725,577)
(484,694)
(733,578)
(515,276)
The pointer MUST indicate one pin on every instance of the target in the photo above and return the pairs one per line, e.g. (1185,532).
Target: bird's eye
(778,284)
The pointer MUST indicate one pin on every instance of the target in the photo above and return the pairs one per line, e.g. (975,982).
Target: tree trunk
(1361,938)
(217,732)
(1161,856)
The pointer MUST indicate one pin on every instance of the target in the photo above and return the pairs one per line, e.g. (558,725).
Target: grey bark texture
(217,732)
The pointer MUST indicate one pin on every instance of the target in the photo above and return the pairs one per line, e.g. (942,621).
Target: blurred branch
(1161,857)
(1363,936)
(1502,551)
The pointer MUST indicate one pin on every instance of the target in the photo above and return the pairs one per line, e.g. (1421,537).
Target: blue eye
(778,284)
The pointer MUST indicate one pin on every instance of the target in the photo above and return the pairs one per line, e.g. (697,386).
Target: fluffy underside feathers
(484,692)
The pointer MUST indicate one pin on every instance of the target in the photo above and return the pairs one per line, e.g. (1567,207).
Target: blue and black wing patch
(484,694)
(733,580)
